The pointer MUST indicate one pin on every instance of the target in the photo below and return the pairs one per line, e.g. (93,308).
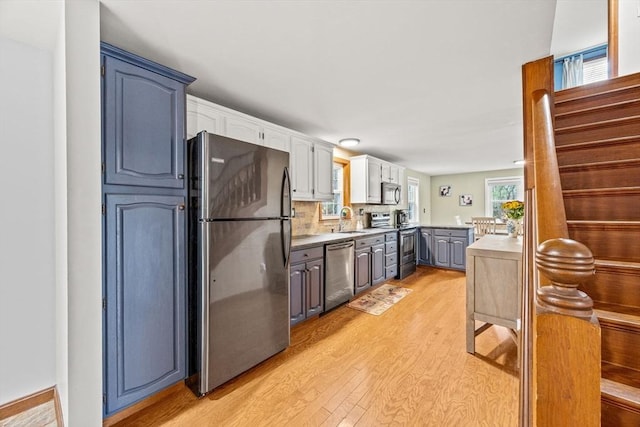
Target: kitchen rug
(379,300)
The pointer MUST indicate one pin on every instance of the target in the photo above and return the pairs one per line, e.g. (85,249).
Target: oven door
(390,194)
(407,246)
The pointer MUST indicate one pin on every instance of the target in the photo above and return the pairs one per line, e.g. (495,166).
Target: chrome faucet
(345,212)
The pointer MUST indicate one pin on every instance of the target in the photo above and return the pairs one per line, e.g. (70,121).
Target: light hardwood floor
(406,367)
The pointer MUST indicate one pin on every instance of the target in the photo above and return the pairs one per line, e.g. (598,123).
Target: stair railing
(560,336)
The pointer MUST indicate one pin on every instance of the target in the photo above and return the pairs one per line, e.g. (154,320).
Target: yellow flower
(513,209)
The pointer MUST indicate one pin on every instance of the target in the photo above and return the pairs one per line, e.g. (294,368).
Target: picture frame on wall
(445,191)
(466,200)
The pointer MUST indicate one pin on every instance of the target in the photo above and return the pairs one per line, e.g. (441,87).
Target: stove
(407,238)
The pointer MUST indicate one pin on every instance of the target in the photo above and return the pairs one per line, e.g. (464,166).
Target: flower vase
(513,227)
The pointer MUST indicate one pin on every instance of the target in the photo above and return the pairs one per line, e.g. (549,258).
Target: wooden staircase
(597,137)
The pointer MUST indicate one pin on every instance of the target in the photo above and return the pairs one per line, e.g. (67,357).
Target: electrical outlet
(293,212)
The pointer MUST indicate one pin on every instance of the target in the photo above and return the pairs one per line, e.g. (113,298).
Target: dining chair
(483,225)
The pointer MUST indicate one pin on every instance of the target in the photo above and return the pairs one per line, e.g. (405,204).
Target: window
(413,205)
(499,190)
(331,210)
(581,68)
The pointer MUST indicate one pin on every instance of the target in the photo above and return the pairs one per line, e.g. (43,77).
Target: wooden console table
(494,284)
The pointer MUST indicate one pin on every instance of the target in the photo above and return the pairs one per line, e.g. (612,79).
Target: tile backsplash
(307,219)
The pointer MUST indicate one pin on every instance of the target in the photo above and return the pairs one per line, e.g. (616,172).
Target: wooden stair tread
(600,165)
(622,319)
(601,191)
(617,224)
(619,84)
(601,142)
(621,393)
(605,106)
(598,124)
(617,308)
(606,263)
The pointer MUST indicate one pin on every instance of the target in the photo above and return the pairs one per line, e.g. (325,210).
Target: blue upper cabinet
(143,121)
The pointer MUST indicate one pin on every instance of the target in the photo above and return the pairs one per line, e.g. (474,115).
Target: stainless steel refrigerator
(240,240)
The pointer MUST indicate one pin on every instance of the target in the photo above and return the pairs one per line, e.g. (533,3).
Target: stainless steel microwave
(390,193)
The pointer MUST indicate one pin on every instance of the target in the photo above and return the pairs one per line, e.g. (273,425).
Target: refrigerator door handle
(285,211)
(285,230)
(285,195)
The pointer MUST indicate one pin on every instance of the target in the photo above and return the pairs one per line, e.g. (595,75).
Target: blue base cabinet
(144,227)
(145,306)
(444,247)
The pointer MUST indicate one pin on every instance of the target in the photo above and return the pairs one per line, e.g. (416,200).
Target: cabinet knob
(181,207)
(294,190)
(181,176)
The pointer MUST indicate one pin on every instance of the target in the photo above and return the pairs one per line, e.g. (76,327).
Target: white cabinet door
(202,116)
(385,172)
(242,129)
(274,138)
(301,161)
(323,172)
(374,176)
(394,174)
(390,173)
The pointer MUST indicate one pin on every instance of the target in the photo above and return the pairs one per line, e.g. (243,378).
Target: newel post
(566,263)
(567,343)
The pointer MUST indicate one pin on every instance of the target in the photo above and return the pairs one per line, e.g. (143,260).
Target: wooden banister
(560,337)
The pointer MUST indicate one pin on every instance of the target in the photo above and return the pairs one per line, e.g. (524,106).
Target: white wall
(27,289)
(578,25)
(60,209)
(82,52)
(444,209)
(629,37)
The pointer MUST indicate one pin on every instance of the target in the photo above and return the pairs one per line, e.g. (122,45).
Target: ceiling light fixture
(518,162)
(349,142)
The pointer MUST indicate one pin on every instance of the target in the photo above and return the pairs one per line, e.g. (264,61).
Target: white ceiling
(434,85)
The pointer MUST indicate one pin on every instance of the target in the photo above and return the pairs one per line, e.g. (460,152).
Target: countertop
(310,240)
(497,245)
(452,226)
(305,241)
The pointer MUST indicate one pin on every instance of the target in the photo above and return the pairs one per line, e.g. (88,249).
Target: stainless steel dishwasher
(339,274)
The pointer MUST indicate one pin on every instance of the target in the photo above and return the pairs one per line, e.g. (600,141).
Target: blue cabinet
(306,284)
(444,247)
(143,122)
(425,248)
(145,296)
(144,227)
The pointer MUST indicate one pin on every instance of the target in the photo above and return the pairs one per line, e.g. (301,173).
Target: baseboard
(31,401)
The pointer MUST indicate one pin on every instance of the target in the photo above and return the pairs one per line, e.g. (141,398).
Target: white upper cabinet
(374,180)
(390,173)
(323,171)
(311,169)
(243,129)
(367,175)
(276,138)
(366,179)
(205,115)
(301,170)
(311,160)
